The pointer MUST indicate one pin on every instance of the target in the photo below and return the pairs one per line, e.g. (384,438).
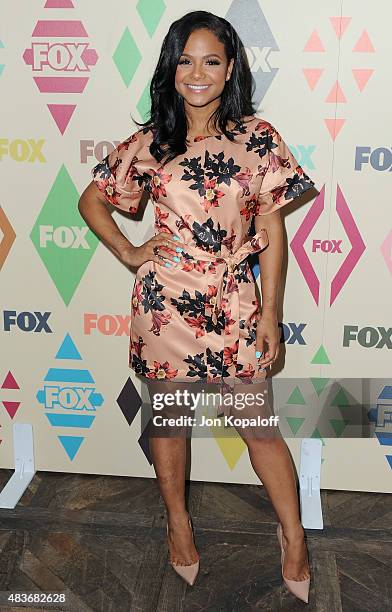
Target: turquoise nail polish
(167,264)
(258,354)
(176,258)
(176,237)
(179,249)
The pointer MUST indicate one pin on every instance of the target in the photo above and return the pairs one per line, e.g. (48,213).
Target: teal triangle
(296,397)
(295,423)
(321,356)
(319,384)
(68,350)
(71,444)
(1,45)
(340,399)
(338,425)
(317,434)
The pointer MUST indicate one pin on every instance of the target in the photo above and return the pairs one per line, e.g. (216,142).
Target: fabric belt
(227,292)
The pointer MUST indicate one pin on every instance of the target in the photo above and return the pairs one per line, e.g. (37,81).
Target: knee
(254,443)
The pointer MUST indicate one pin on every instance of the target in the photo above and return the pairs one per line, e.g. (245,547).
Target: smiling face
(202,70)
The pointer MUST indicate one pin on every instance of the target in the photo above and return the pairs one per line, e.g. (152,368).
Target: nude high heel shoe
(187,572)
(299,588)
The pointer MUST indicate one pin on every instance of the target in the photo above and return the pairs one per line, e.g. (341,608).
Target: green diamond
(61,237)
(144,104)
(1,65)
(127,57)
(151,12)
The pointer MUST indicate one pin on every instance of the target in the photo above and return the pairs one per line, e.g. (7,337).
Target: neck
(198,117)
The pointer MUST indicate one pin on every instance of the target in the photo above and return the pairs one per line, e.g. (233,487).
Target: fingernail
(179,249)
(167,264)
(176,237)
(176,258)
(258,354)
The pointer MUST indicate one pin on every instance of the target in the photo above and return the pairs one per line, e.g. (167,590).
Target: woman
(211,168)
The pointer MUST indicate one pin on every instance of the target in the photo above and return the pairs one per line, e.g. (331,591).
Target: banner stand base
(309,483)
(24,466)
(309,477)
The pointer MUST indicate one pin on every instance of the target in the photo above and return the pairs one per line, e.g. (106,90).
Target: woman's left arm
(270,260)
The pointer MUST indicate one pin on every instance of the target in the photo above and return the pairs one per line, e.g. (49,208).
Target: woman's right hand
(165,251)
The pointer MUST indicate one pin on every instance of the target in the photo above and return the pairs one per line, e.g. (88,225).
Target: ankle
(177,518)
(293,532)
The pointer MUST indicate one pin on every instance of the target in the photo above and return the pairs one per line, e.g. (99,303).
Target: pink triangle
(10,382)
(364,44)
(11,407)
(312,76)
(362,75)
(62,114)
(59,4)
(336,94)
(314,44)
(334,126)
(340,24)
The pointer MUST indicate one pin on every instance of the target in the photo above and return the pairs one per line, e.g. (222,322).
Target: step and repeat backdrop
(72,73)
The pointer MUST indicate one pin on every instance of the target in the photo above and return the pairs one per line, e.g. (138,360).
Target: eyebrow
(208,55)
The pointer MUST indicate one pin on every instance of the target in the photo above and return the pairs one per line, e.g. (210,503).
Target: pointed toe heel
(298,588)
(186,572)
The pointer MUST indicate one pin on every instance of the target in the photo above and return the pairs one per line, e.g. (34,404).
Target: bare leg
(272,463)
(168,456)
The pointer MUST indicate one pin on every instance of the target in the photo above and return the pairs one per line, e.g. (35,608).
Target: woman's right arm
(96,212)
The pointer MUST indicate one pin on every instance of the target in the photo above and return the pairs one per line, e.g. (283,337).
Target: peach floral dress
(196,321)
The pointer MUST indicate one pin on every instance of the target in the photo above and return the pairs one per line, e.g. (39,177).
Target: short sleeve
(283,178)
(123,175)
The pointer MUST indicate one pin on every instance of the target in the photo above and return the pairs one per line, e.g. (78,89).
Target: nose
(197,72)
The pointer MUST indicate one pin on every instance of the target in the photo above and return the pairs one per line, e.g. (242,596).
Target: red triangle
(340,24)
(11,407)
(10,382)
(364,44)
(314,43)
(312,76)
(334,126)
(362,75)
(62,114)
(336,94)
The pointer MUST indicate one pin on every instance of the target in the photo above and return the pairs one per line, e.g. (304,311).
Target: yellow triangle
(232,446)
(232,449)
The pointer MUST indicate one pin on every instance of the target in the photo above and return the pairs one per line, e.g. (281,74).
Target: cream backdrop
(322,72)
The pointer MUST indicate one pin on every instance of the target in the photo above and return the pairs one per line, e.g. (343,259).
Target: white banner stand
(309,483)
(24,466)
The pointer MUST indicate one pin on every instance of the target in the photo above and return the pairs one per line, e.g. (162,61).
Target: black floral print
(198,320)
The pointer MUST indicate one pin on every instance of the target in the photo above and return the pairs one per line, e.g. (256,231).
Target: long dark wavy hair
(167,115)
